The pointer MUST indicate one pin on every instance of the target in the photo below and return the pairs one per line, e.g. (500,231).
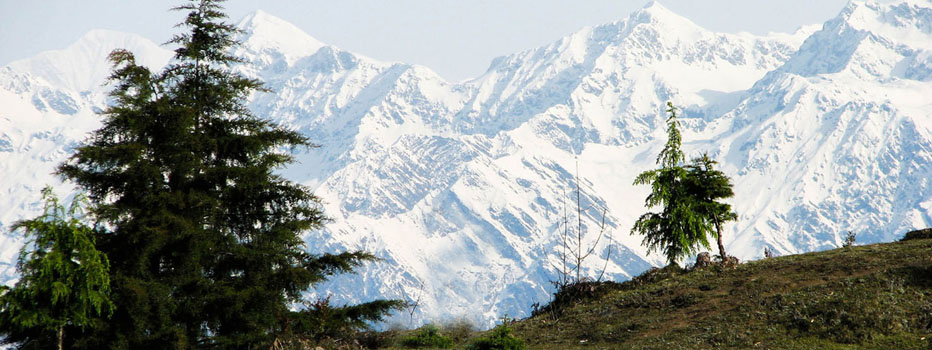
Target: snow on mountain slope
(871,40)
(270,39)
(32,142)
(619,73)
(49,106)
(460,188)
(83,67)
(845,125)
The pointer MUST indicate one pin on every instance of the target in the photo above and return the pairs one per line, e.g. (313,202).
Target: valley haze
(459,186)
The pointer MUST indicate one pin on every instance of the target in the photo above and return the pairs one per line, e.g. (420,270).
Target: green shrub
(654,275)
(499,338)
(570,294)
(427,336)
(377,339)
(918,234)
(459,330)
(684,300)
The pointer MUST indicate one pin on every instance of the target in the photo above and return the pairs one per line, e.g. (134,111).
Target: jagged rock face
(462,188)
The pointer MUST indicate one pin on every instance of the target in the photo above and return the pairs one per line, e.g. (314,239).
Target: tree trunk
(61,337)
(721,247)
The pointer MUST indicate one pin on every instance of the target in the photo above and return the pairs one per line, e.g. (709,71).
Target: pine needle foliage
(321,321)
(710,186)
(678,230)
(64,281)
(203,236)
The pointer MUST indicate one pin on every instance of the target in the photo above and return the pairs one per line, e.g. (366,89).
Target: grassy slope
(867,297)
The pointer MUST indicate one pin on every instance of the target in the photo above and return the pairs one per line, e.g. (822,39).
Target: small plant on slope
(574,251)
(849,239)
(427,336)
(500,338)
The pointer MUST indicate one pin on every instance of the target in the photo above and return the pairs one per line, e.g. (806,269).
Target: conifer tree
(678,229)
(64,279)
(203,236)
(709,186)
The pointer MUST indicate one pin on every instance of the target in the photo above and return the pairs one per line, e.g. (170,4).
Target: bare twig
(573,245)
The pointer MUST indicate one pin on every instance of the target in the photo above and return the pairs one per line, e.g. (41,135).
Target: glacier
(460,187)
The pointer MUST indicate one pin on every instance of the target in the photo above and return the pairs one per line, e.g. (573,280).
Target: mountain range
(463,188)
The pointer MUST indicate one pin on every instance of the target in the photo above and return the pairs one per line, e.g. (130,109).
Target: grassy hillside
(875,296)
(866,297)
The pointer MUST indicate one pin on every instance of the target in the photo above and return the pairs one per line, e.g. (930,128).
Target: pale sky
(456,38)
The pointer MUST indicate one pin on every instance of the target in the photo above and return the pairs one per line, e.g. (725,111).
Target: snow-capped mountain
(845,127)
(48,107)
(462,187)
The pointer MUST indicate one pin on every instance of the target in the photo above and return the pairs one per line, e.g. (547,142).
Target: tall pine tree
(204,238)
(678,229)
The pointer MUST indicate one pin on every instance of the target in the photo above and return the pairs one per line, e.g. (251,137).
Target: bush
(427,336)
(499,338)
(377,339)
(918,234)
(654,275)
(570,294)
(849,239)
(459,330)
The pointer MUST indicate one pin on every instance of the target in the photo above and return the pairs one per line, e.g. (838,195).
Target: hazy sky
(456,38)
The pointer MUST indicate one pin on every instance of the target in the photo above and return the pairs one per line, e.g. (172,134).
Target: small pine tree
(65,280)
(850,238)
(708,186)
(678,229)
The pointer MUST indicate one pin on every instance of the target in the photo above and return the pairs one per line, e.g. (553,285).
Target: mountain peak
(262,30)
(84,64)
(104,35)
(895,19)
(259,18)
(654,12)
(654,5)
(872,40)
